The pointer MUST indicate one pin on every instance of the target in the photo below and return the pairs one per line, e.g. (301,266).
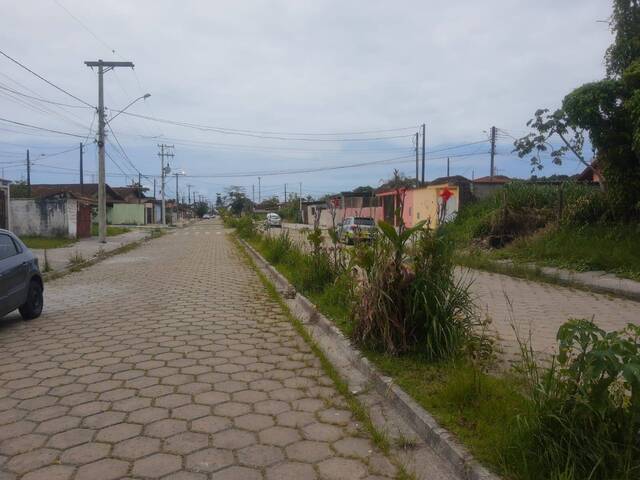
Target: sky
(283,89)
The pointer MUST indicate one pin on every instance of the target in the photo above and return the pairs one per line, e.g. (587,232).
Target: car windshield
(364,221)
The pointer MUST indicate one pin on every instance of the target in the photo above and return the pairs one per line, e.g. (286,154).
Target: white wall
(46,218)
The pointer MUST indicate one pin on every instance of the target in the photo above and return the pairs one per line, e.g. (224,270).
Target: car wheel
(32,308)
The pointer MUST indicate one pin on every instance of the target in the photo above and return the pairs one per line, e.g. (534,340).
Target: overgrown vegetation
(568,225)
(578,418)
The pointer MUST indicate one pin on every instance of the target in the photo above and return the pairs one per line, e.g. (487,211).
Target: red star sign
(446,194)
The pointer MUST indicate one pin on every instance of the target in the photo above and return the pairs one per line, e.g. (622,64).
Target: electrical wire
(45,80)
(32,97)
(40,128)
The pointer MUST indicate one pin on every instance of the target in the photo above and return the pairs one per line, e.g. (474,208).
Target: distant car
(20,280)
(206,216)
(273,220)
(356,228)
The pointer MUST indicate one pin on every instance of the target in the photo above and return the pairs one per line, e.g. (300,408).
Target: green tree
(608,111)
(237,201)
(200,208)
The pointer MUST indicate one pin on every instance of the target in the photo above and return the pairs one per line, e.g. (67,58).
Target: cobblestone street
(171,362)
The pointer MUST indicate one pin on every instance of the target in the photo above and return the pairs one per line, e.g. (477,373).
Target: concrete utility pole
(285,193)
(253,193)
(424,151)
(448,167)
(81,171)
(259,192)
(189,193)
(28,174)
(164,152)
(493,151)
(177,199)
(417,160)
(300,201)
(103,67)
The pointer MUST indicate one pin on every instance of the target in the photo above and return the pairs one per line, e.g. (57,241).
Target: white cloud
(304,66)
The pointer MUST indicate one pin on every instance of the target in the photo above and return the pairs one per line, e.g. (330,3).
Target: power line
(249,133)
(42,99)
(40,128)
(45,80)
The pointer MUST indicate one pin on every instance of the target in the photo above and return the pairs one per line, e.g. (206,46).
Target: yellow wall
(425,203)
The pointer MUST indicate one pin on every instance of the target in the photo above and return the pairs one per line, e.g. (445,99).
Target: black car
(20,280)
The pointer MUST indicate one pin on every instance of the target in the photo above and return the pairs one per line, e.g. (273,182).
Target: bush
(586,406)
(245,227)
(410,301)
(278,248)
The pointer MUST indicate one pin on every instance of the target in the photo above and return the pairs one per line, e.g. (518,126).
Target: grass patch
(479,409)
(111,230)
(612,248)
(46,242)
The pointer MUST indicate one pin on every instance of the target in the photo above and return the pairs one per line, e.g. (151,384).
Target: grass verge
(46,242)
(111,230)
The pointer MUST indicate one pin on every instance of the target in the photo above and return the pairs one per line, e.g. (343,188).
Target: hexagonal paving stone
(70,438)
(233,438)
(86,453)
(209,460)
(32,460)
(210,424)
(309,451)
(187,442)
(260,455)
(280,436)
(157,465)
(271,407)
(354,447)
(165,428)
(104,419)
(148,415)
(119,432)
(291,471)
(254,422)
(237,473)
(106,469)
(52,472)
(212,398)
(173,400)
(231,409)
(295,419)
(136,447)
(340,468)
(190,412)
(335,416)
(322,432)
(24,443)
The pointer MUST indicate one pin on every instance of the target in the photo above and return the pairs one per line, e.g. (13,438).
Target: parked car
(273,220)
(206,216)
(20,280)
(356,228)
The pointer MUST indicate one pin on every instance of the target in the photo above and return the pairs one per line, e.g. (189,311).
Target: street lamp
(143,97)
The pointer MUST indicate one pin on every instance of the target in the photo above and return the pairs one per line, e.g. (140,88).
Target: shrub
(245,227)
(586,405)
(410,300)
(278,247)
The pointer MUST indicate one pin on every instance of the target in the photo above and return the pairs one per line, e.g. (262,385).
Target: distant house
(484,186)
(440,199)
(55,210)
(391,201)
(134,209)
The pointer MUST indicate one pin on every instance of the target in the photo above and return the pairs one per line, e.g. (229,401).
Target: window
(364,221)
(7,247)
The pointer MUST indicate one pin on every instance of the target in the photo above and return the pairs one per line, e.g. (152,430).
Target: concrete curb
(595,281)
(441,440)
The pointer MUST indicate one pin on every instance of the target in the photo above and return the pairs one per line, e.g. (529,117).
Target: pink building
(391,201)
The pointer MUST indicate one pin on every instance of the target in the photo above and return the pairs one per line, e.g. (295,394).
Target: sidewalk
(86,248)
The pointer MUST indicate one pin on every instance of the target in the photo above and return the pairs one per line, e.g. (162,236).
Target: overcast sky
(294,67)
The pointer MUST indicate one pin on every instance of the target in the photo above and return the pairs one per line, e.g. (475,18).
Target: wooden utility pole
(448,171)
(493,151)
(417,160)
(81,169)
(424,141)
(28,174)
